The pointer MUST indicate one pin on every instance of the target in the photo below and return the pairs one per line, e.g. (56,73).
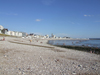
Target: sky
(72,18)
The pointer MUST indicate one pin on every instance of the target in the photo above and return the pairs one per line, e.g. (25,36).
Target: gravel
(20,59)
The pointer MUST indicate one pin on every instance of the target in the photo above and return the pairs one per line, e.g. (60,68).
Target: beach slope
(24,57)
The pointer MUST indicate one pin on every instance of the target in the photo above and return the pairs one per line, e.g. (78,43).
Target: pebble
(28,68)
(74,72)
(23,73)
(79,65)
(19,69)
(5,55)
(56,60)
(73,63)
(19,72)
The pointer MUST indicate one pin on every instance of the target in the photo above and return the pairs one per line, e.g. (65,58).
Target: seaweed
(82,48)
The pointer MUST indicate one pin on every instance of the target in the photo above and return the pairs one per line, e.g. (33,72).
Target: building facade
(14,33)
(1,28)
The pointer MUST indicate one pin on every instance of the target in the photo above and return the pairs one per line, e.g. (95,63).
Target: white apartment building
(1,28)
(11,33)
(14,33)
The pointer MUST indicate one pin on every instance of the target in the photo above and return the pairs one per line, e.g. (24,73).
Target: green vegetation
(4,35)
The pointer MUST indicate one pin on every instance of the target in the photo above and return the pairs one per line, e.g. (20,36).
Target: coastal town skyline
(72,18)
(7,32)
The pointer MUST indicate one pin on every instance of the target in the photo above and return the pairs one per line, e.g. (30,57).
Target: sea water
(88,43)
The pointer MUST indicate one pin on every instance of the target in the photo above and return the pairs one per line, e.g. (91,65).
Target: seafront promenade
(23,56)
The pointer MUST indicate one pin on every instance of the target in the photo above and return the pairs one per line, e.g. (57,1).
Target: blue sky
(73,18)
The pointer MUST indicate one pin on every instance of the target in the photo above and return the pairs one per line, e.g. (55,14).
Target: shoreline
(82,48)
(74,45)
(68,39)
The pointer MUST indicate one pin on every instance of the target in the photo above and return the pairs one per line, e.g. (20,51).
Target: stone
(28,68)
(73,63)
(79,65)
(19,69)
(19,72)
(56,60)
(23,73)
(5,56)
(74,72)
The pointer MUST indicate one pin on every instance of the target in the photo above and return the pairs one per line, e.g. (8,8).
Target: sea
(88,43)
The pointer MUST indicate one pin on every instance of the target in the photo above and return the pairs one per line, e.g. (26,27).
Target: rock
(5,56)
(79,65)
(28,68)
(64,74)
(73,63)
(56,60)
(19,72)
(74,72)
(83,68)
(23,73)
(19,69)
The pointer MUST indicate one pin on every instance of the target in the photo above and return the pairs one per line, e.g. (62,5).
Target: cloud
(85,15)
(97,21)
(47,2)
(73,23)
(38,20)
(88,15)
(15,14)
(11,14)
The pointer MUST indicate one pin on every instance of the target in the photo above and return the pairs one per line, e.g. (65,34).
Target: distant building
(11,33)
(53,36)
(1,28)
(31,34)
(0,31)
(59,37)
(44,36)
(24,34)
(66,37)
(56,37)
(47,36)
(4,31)
(37,36)
(14,33)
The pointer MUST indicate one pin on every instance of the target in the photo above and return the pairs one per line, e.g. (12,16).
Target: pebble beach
(19,56)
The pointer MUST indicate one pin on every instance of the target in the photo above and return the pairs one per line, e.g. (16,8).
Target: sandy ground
(20,57)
